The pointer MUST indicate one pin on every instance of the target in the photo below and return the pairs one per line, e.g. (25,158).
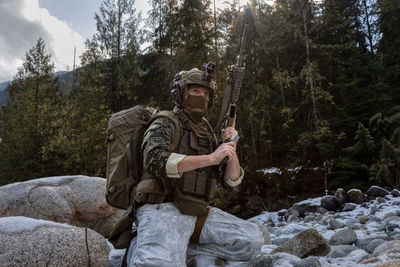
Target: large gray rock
(30,242)
(376,191)
(307,243)
(346,236)
(330,203)
(75,200)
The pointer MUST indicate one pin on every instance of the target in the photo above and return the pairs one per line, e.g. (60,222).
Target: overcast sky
(62,24)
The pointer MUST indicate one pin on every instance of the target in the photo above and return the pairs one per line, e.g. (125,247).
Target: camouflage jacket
(156,153)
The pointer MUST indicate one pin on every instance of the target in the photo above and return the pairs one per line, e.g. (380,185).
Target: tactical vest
(191,193)
(196,188)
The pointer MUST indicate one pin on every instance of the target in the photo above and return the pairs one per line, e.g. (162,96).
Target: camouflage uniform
(163,231)
(155,146)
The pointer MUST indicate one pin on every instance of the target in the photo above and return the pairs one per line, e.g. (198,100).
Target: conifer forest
(321,89)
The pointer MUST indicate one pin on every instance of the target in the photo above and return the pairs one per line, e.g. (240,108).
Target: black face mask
(195,107)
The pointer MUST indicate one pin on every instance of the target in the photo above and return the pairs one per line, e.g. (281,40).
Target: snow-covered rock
(30,242)
(75,200)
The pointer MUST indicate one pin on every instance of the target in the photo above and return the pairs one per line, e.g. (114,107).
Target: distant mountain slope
(3,97)
(3,85)
(64,78)
(3,92)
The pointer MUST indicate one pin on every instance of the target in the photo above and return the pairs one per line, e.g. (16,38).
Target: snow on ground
(376,212)
(271,170)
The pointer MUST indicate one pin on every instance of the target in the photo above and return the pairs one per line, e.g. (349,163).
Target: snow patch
(271,170)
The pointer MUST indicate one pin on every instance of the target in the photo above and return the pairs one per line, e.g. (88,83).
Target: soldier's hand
(229,132)
(224,150)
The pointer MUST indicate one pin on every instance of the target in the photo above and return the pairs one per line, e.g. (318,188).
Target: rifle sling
(198,227)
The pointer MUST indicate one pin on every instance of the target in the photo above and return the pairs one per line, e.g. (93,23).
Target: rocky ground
(346,229)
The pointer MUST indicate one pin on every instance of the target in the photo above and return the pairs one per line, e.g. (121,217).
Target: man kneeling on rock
(183,226)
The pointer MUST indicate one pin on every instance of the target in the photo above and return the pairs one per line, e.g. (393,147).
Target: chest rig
(191,193)
(196,188)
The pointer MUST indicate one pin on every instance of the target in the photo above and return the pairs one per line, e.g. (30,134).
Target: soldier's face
(197,90)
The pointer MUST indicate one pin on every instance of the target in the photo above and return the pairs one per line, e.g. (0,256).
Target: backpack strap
(178,128)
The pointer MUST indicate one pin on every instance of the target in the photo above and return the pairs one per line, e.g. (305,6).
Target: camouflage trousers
(164,233)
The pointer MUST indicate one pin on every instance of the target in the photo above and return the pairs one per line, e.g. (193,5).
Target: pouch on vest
(188,204)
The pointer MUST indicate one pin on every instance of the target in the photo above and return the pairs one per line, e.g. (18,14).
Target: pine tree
(31,118)
(193,29)
(389,21)
(116,45)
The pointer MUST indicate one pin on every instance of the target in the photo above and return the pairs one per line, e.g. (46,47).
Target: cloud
(22,22)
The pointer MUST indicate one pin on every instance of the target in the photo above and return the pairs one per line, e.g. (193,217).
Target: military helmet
(184,79)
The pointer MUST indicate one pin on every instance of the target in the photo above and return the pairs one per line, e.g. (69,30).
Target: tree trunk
(311,78)
(368,26)
(280,83)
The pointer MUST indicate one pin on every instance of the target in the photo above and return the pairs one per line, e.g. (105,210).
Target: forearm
(190,163)
(232,170)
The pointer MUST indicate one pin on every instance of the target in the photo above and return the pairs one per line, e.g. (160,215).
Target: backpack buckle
(110,138)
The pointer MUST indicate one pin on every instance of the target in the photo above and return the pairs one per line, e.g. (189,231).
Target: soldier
(189,175)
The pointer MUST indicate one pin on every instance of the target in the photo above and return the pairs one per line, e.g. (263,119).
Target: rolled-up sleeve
(237,182)
(171,167)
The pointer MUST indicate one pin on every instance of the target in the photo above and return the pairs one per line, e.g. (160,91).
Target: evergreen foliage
(31,119)
(321,87)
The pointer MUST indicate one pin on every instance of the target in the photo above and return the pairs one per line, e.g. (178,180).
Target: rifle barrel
(239,61)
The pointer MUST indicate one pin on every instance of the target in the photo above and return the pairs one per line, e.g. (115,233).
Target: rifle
(231,94)
(232,90)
